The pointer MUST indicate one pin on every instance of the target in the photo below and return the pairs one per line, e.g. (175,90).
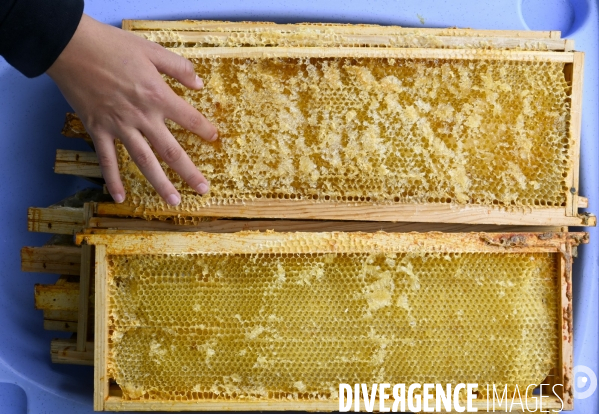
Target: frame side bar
(101,386)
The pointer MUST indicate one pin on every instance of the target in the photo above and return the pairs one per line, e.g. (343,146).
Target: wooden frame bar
(359,52)
(57,220)
(225,26)
(64,260)
(57,297)
(87,254)
(566,364)
(306,209)
(232,226)
(107,398)
(101,332)
(64,351)
(574,75)
(81,163)
(410,40)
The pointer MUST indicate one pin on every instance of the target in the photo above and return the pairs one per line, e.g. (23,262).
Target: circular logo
(584,377)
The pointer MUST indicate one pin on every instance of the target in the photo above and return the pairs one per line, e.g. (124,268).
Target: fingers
(148,164)
(178,110)
(171,152)
(177,67)
(107,158)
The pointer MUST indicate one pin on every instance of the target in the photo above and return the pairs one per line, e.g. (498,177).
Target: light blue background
(31,117)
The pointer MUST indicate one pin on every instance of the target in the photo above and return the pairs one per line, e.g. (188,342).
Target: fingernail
(214,137)
(199,81)
(118,198)
(173,199)
(202,188)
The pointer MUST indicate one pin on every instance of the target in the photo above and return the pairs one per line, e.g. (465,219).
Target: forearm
(33,33)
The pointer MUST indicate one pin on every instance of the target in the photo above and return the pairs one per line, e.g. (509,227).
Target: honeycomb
(292,326)
(310,38)
(376,130)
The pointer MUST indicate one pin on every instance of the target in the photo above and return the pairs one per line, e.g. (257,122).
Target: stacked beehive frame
(67,305)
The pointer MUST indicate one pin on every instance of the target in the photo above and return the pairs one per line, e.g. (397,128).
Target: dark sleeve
(33,33)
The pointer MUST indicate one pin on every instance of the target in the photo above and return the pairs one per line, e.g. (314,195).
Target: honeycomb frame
(357,209)
(324,28)
(107,397)
(213,34)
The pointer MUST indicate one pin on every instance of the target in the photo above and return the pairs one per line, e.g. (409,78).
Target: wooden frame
(373,29)
(62,311)
(107,398)
(186,38)
(430,212)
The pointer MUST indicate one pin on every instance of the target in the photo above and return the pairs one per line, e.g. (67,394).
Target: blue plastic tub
(31,117)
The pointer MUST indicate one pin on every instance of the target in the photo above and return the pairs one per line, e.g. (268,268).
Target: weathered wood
(232,226)
(583,202)
(101,331)
(565,368)
(114,403)
(224,26)
(64,260)
(81,163)
(63,297)
(75,129)
(307,209)
(208,39)
(61,315)
(84,280)
(360,52)
(64,351)
(59,220)
(65,326)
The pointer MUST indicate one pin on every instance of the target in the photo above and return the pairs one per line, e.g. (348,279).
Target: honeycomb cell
(280,326)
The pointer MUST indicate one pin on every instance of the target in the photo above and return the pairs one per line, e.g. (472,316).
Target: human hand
(112,80)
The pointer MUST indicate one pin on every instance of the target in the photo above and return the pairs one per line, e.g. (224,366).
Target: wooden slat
(81,163)
(65,326)
(583,202)
(57,297)
(191,38)
(115,403)
(360,52)
(84,280)
(232,226)
(101,333)
(566,325)
(63,260)
(271,242)
(224,26)
(307,209)
(64,351)
(575,126)
(61,315)
(59,220)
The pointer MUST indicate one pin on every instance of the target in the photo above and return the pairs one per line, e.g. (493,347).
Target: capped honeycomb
(292,326)
(377,130)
